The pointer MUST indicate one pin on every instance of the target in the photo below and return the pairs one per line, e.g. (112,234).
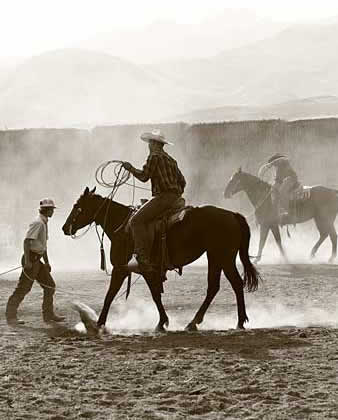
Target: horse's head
(234,185)
(82,214)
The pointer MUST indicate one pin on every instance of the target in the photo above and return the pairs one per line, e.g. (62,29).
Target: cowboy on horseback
(167,186)
(285,182)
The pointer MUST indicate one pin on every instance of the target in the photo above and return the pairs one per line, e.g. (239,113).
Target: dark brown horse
(322,206)
(218,232)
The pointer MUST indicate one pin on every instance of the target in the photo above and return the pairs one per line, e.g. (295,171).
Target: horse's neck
(111,215)
(255,189)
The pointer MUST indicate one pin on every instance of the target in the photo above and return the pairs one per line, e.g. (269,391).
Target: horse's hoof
(240,327)
(160,329)
(191,328)
(331,260)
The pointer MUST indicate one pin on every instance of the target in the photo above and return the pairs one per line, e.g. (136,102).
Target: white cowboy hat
(47,202)
(156,135)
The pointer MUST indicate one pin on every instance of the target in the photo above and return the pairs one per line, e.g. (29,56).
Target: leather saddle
(160,226)
(173,215)
(297,201)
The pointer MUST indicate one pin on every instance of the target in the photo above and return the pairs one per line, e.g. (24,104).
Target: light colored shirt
(38,233)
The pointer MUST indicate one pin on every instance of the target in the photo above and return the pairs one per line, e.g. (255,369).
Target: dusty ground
(284,366)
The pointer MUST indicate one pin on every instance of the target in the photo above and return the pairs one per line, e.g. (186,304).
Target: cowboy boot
(53,318)
(133,265)
(48,313)
(11,310)
(141,263)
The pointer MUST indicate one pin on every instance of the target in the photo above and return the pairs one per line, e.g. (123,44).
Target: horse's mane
(100,197)
(257,180)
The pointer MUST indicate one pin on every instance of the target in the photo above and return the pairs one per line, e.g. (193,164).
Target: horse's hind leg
(333,237)
(324,229)
(232,274)
(214,275)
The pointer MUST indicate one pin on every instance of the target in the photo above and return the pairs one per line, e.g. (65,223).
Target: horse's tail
(251,274)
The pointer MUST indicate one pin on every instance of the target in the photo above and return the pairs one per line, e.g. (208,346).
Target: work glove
(127,166)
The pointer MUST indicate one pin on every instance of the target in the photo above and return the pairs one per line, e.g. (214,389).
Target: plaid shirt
(163,172)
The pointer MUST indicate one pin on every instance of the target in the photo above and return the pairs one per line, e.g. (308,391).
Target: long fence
(60,163)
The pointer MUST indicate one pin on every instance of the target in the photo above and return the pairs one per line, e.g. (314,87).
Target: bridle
(257,206)
(79,211)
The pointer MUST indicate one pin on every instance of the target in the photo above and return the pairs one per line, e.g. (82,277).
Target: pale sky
(30,27)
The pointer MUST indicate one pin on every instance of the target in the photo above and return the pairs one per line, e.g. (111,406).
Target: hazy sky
(31,27)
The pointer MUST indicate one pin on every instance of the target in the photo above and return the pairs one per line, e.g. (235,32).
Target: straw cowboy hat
(269,163)
(155,135)
(276,157)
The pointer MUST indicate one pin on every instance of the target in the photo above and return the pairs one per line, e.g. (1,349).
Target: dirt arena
(284,366)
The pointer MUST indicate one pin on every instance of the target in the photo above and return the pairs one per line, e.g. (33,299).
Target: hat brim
(277,159)
(147,137)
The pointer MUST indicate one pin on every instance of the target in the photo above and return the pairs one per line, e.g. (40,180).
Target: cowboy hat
(155,135)
(275,157)
(47,203)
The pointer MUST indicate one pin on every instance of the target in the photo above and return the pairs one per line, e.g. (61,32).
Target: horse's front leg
(264,230)
(276,233)
(214,275)
(117,277)
(155,287)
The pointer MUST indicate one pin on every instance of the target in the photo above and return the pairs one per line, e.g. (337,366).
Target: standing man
(35,248)
(167,186)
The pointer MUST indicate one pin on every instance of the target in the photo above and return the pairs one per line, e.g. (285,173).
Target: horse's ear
(93,190)
(239,170)
(86,191)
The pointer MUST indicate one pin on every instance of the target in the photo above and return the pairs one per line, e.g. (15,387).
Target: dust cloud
(60,163)
(138,315)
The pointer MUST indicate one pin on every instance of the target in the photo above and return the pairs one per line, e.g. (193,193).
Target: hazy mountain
(298,62)
(67,87)
(80,87)
(167,40)
(322,106)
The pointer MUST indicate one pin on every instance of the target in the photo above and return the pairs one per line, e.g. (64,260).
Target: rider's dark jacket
(284,170)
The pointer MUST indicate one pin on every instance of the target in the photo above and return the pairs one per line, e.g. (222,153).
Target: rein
(101,179)
(259,205)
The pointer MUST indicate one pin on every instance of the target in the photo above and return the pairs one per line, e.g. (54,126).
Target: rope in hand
(101,176)
(117,177)
(102,179)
